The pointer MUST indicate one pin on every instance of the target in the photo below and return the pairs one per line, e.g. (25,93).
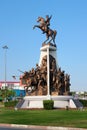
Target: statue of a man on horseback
(44,26)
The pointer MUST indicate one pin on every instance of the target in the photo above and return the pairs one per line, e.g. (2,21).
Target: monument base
(31,102)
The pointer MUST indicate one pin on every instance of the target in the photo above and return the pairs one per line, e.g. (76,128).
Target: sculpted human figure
(54,65)
(47,23)
(33,72)
(37,68)
(44,63)
(67,82)
(53,70)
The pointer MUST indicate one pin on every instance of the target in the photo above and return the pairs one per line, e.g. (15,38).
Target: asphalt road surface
(7,128)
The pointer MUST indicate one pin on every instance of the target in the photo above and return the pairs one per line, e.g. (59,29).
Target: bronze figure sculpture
(35,80)
(44,26)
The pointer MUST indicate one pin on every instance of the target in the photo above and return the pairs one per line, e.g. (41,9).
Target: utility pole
(5,62)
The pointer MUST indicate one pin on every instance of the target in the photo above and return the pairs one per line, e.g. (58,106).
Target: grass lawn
(63,118)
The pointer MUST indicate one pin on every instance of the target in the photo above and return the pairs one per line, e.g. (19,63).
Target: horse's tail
(55,33)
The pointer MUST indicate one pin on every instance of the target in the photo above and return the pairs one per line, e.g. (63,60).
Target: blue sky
(69,18)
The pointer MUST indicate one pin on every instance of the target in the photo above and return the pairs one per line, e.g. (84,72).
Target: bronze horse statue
(45,28)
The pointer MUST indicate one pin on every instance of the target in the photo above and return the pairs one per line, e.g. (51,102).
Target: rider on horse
(44,23)
(44,26)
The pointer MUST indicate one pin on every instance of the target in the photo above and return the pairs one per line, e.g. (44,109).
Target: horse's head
(40,19)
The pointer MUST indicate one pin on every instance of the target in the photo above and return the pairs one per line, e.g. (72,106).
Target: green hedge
(10,103)
(48,104)
(84,102)
(1,99)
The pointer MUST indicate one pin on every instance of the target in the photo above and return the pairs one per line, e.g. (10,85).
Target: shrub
(48,104)
(1,99)
(10,103)
(84,102)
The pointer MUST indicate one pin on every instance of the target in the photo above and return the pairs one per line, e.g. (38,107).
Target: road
(11,128)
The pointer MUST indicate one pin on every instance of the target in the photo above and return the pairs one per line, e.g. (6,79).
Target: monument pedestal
(31,102)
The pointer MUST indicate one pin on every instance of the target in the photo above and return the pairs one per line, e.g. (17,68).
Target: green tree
(7,94)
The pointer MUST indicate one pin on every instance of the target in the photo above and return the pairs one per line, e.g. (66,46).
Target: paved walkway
(40,127)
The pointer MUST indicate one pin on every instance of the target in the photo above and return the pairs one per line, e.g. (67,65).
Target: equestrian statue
(44,26)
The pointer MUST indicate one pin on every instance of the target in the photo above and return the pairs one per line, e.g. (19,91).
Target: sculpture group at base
(36,79)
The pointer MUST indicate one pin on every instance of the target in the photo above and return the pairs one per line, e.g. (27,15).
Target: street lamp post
(5,56)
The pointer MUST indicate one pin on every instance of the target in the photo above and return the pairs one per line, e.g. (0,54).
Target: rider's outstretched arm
(50,17)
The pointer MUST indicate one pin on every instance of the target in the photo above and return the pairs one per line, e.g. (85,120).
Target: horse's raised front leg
(35,26)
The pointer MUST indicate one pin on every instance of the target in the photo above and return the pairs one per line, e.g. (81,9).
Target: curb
(39,127)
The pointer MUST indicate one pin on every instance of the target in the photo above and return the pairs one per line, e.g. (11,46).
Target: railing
(20,103)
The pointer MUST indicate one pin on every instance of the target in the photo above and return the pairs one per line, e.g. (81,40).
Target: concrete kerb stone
(40,127)
(29,126)
(63,128)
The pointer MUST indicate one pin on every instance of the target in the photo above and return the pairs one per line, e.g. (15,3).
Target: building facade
(15,86)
